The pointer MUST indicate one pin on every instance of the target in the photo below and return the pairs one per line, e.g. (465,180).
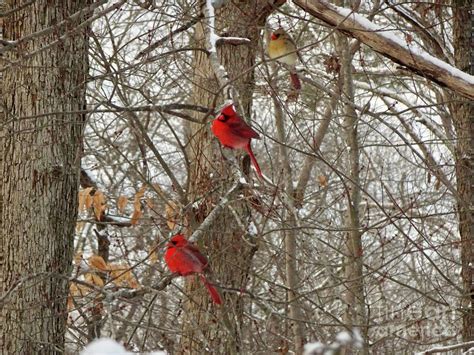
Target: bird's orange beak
(274,36)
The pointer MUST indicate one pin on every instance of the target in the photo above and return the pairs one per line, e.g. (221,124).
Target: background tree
(44,67)
(230,249)
(367,153)
(462,111)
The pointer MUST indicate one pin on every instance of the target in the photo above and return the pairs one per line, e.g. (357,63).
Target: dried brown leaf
(80,226)
(85,198)
(122,276)
(94,279)
(99,204)
(88,198)
(135,217)
(153,255)
(139,195)
(122,203)
(97,262)
(78,258)
(172,213)
(323,181)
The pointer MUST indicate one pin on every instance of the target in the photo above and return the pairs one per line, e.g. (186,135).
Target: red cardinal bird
(185,259)
(234,133)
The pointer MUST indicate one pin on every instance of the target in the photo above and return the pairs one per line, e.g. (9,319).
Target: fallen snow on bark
(107,346)
(344,339)
(393,38)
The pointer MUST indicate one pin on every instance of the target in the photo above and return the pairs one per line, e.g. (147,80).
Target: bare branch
(445,349)
(390,46)
(211,217)
(158,43)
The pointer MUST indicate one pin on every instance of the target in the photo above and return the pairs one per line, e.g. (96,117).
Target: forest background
(360,238)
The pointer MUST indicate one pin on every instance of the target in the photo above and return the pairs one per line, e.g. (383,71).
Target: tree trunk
(355,315)
(207,327)
(41,146)
(290,235)
(463,118)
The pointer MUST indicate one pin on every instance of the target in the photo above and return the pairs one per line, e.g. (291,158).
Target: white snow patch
(392,37)
(107,346)
(119,219)
(104,346)
(252,229)
(344,338)
(242,180)
(212,36)
(357,338)
(311,348)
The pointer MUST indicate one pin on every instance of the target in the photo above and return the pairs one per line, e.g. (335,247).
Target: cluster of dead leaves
(99,273)
(96,201)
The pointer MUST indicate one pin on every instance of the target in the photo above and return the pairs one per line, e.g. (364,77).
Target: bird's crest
(178,240)
(228,110)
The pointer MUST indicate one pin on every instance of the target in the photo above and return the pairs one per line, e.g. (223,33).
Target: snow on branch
(103,346)
(213,41)
(212,216)
(233,40)
(445,349)
(344,340)
(391,46)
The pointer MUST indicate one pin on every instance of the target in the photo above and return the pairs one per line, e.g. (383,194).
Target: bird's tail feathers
(254,161)
(216,297)
(295,81)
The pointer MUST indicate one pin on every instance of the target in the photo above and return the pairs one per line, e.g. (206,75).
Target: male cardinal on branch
(282,47)
(234,133)
(185,259)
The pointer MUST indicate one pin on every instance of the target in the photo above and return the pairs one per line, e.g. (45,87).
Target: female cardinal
(185,259)
(282,47)
(234,133)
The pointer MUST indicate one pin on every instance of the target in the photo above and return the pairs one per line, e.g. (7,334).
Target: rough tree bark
(206,327)
(41,146)
(463,118)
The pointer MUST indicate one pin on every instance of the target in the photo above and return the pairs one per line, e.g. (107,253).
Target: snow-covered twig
(127,293)
(211,217)
(424,32)
(386,43)
(444,349)
(232,40)
(213,40)
(343,339)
